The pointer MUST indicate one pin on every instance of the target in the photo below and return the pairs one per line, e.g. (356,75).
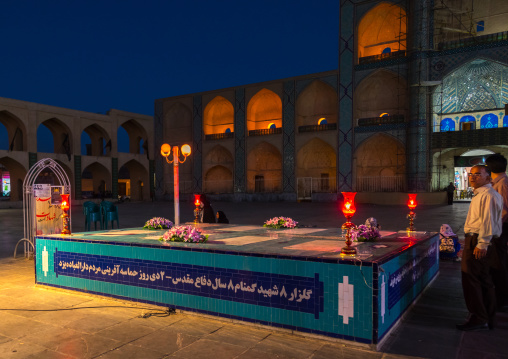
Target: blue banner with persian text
(296,293)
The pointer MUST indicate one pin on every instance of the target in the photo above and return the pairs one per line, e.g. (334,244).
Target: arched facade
(380,163)
(139,184)
(218,117)
(218,168)
(95,181)
(138,138)
(317,104)
(264,111)
(178,123)
(21,120)
(382,30)
(264,169)
(382,92)
(317,160)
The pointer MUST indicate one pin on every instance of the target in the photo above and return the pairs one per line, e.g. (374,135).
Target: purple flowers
(187,234)
(280,222)
(158,223)
(365,234)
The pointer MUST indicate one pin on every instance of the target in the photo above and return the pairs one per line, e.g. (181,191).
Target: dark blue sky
(96,55)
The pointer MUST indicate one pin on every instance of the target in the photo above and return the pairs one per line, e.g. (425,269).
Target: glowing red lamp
(65,215)
(197,210)
(411,203)
(349,209)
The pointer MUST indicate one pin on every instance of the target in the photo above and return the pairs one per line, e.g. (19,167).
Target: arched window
(322,121)
(228,130)
(447,124)
(505,121)
(272,126)
(480,26)
(387,50)
(489,121)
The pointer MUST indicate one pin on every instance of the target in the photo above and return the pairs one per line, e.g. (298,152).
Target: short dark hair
(486,168)
(497,163)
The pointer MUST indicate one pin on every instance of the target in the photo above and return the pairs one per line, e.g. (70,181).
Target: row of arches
(488,120)
(317,104)
(378,156)
(96,180)
(55,136)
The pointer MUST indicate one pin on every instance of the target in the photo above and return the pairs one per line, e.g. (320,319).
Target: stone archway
(218,179)
(138,180)
(317,160)
(382,92)
(62,136)
(264,169)
(137,136)
(316,104)
(218,116)
(382,30)
(100,141)
(95,181)
(16,131)
(263,110)
(380,164)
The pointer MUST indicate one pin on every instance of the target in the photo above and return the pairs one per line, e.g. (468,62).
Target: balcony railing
(315,128)
(265,131)
(374,58)
(220,136)
(483,39)
(375,121)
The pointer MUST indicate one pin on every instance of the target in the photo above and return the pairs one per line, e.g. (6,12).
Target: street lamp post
(166,151)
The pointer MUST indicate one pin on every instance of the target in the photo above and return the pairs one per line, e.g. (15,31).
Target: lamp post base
(348,251)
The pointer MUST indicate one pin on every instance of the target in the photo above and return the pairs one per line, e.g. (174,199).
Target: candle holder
(411,203)
(65,216)
(349,209)
(197,210)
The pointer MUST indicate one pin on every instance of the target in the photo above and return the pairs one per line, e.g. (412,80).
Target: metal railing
(474,40)
(265,131)
(380,184)
(315,128)
(374,121)
(219,136)
(374,58)
(306,186)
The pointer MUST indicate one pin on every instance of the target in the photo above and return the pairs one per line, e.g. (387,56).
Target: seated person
(449,245)
(221,217)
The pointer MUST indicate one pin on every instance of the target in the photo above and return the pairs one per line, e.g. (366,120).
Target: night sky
(96,55)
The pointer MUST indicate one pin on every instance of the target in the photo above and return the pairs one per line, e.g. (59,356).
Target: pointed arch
(62,136)
(264,168)
(264,108)
(137,136)
(219,116)
(318,160)
(318,102)
(384,26)
(218,179)
(137,181)
(16,131)
(380,164)
(100,141)
(381,92)
(95,181)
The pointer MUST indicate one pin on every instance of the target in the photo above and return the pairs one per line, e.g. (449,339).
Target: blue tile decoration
(264,282)
(197,148)
(159,140)
(288,145)
(240,156)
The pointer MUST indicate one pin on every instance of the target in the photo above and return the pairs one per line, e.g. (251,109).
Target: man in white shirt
(483,222)
(499,263)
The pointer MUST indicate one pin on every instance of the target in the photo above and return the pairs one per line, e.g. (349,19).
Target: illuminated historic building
(84,144)
(419,95)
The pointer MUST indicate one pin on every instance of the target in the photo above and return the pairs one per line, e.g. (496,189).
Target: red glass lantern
(65,206)
(349,209)
(411,203)
(197,210)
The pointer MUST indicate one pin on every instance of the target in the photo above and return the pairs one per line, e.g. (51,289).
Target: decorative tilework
(159,133)
(346,300)
(240,159)
(197,173)
(77,177)
(32,159)
(288,145)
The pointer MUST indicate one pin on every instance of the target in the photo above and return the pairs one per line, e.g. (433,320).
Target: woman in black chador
(221,217)
(208,213)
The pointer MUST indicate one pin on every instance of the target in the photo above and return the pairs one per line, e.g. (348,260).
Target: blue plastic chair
(93,215)
(109,214)
(86,205)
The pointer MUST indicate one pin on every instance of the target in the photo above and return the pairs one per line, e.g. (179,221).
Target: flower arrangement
(158,223)
(187,234)
(280,222)
(365,233)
